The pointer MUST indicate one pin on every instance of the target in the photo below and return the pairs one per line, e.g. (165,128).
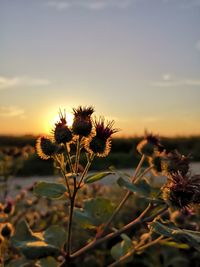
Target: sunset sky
(135,61)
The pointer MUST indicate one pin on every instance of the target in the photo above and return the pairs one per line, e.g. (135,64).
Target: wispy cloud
(168,81)
(102,4)
(12,111)
(190,3)
(198,45)
(89,4)
(184,3)
(10,82)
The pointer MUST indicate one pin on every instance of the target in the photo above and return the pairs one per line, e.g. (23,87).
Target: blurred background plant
(12,160)
(157,215)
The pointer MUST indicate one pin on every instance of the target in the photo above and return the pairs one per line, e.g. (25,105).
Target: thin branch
(69,236)
(69,159)
(78,149)
(123,201)
(86,170)
(134,223)
(150,243)
(64,175)
(130,253)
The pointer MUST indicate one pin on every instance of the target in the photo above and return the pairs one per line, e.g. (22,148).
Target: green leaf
(50,190)
(192,238)
(47,262)
(96,177)
(95,212)
(55,236)
(122,248)
(142,188)
(38,245)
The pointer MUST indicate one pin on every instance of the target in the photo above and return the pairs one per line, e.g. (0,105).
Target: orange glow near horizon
(43,122)
(51,119)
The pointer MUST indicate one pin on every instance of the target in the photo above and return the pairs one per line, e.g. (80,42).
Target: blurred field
(123,154)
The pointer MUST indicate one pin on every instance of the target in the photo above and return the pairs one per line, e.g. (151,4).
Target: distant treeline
(123,153)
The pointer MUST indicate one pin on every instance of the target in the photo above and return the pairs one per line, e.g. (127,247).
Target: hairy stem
(86,170)
(69,159)
(63,172)
(78,150)
(69,235)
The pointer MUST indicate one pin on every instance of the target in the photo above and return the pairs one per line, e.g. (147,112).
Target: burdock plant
(90,138)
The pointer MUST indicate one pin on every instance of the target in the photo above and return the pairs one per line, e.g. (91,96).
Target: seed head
(82,124)
(1,241)
(182,191)
(8,207)
(100,142)
(156,163)
(174,162)
(149,145)
(7,230)
(62,133)
(45,147)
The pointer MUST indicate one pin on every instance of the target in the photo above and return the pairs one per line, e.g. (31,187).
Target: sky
(136,61)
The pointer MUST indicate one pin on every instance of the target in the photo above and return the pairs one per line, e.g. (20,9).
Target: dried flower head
(7,230)
(1,242)
(45,147)
(156,163)
(174,162)
(9,207)
(100,142)
(62,133)
(82,124)
(149,145)
(182,191)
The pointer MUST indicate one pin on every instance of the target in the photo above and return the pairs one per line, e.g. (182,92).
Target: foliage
(57,224)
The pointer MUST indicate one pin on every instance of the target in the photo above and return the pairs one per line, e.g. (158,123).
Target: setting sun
(53,117)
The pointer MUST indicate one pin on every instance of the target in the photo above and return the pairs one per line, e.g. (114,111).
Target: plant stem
(69,236)
(86,170)
(123,201)
(69,159)
(143,173)
(132,224)
(130,253)
(64,175)
(78,149)
(150,243)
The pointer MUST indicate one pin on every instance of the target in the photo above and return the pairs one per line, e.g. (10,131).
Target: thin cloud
(89,4)
(184,3)
(11,82)
(58,5)
(102,4)
(191,4)
(8,82)
(198,45)
(12,111)
(167,81)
